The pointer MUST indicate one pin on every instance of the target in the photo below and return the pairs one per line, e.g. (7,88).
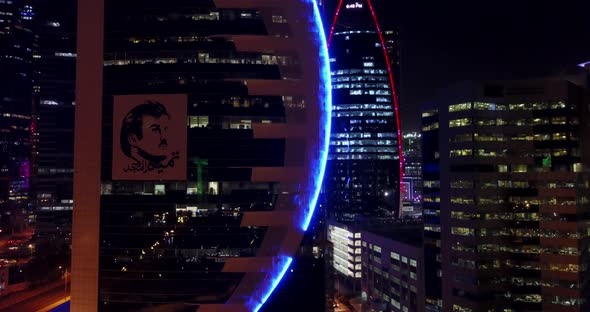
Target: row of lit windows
(365,150)
(16,116)
(499,137)
(476,152)
(527,249)
(363,114)
(362,142)
(209,16)
(461,122)
(467,184)
(431,126)
(227,123)
(519,232)
(516,201)
(359,85)
(521,168)
(503,107)
(358,135)
(359,71)
(368,78)
(349,156)
(362,107)
(367,121)
(369,92)
(206,59)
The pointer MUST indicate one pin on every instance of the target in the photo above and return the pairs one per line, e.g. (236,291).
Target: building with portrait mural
(201,139)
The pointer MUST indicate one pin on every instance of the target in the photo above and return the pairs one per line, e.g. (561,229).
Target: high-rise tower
(201,138)
(17,40)
(365,170)
(512,195)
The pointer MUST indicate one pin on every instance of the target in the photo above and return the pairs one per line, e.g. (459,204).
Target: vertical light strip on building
(326,79)
(327,100)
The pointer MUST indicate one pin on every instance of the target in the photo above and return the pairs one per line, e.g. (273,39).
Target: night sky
(446,42)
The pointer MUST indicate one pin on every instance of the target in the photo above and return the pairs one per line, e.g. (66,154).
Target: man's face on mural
(154,140)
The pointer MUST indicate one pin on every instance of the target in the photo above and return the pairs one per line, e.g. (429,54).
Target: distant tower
(365,170)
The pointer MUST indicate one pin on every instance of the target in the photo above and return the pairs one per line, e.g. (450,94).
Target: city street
(36,302)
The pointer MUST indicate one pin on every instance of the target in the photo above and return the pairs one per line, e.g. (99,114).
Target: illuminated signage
(355,5)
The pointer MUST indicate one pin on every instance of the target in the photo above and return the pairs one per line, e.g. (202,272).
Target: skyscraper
(365,171)
(513,167)
(17,42)
(55,107)
(201,137)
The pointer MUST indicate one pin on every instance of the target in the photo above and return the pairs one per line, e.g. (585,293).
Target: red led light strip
(334,22)
(391,82)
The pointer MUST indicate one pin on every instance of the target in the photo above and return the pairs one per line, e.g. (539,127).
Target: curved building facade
(364,167)
(203,147)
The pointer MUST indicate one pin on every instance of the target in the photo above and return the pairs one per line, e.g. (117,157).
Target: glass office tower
(512,159)
(201,138)
(365,171)
(17,42)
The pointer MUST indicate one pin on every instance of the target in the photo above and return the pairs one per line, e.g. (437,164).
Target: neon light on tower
(325,97)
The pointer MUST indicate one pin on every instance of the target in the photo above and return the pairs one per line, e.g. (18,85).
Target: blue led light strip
(327,121)
(275,282)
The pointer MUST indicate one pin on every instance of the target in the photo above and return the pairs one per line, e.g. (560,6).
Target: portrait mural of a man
(149,137)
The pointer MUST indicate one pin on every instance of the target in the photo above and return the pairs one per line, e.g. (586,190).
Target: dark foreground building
(201,137)
(510,173)
(55,61)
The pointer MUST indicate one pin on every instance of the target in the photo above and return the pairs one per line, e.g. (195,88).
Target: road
(38,302)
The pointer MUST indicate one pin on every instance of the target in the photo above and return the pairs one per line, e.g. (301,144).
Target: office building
(512,192)
(201,139)
(364,169)
(346,249)
(393,269)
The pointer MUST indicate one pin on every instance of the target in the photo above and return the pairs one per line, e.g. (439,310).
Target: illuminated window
(462,200)
(461,152)
(485,153)
(488,106)
(279,19)
(429,113)
(160,189)
(463,231)
(459,107)
(519,168)
(462,184)
(428,127)
(431,184)
(502,168)
(558,105)
(462,122)
(559,136)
